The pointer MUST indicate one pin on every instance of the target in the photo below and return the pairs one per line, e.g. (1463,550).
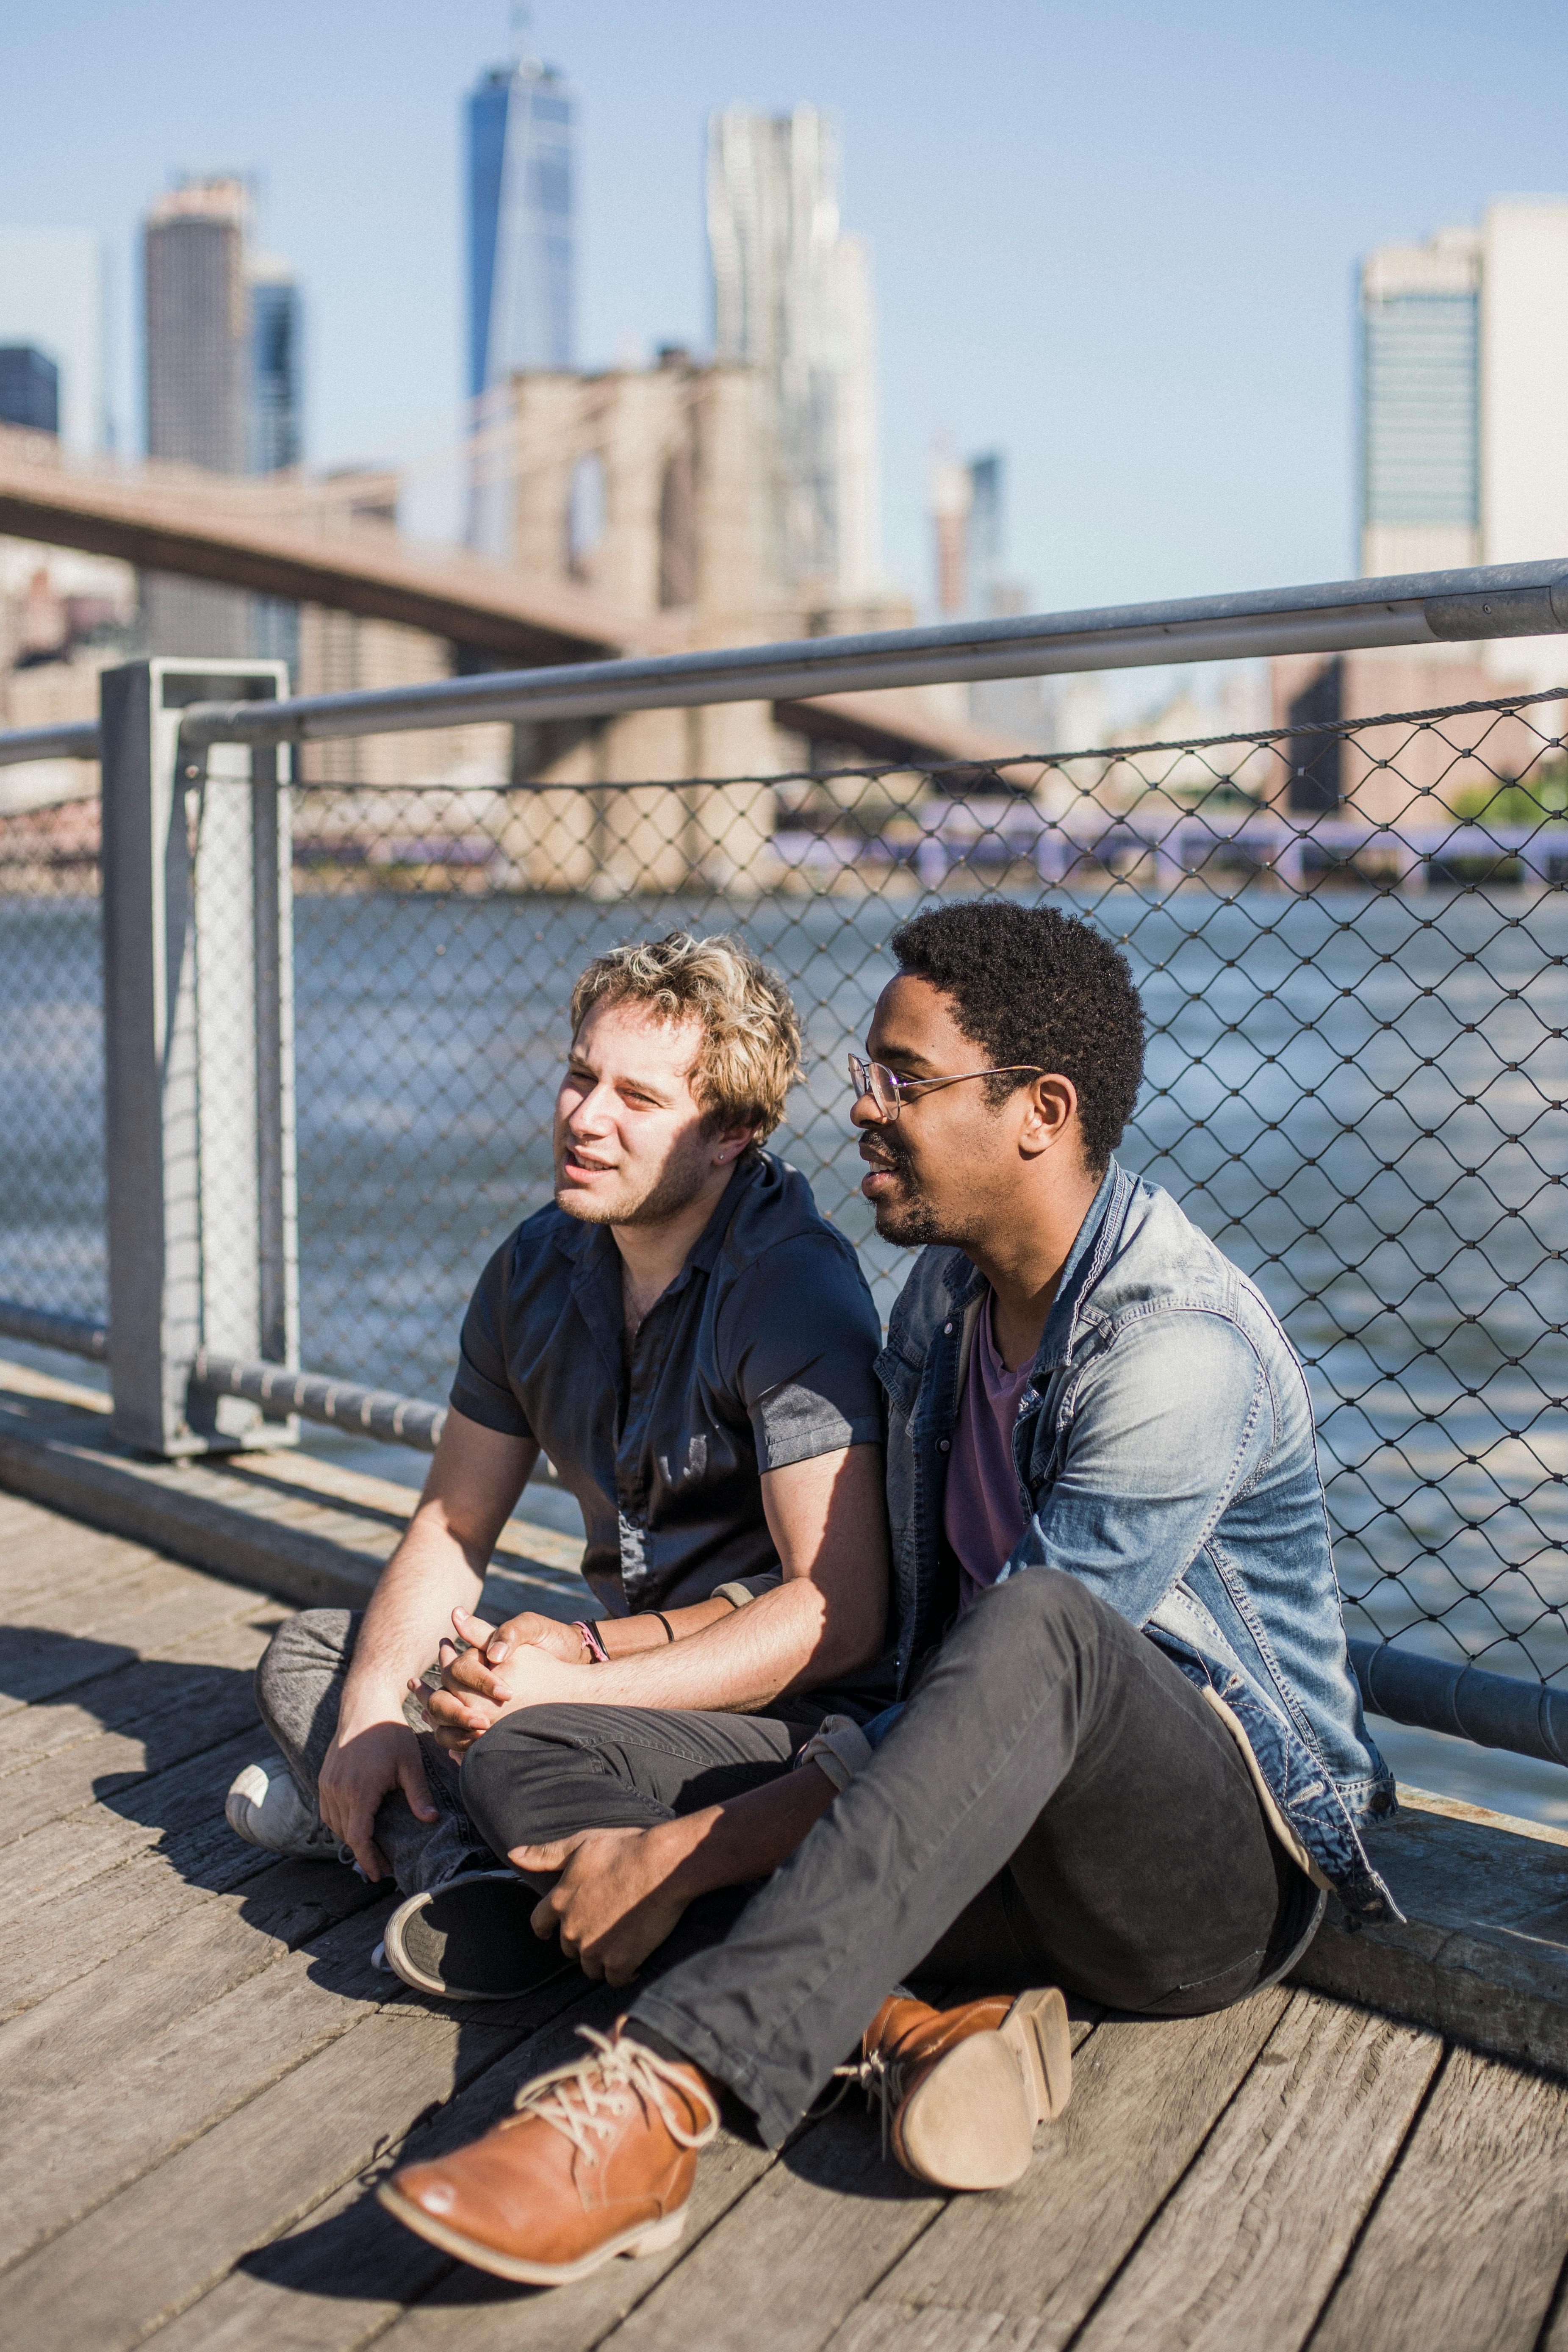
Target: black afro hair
(1032,985)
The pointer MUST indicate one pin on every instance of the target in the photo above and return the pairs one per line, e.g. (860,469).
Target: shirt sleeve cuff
(492,1408)
(828,1437)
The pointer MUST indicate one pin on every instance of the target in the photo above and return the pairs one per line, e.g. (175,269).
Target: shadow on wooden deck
(204,2079)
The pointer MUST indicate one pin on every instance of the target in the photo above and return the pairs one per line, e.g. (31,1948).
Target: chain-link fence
(1357,1077)
(52,1252)
(1354,957)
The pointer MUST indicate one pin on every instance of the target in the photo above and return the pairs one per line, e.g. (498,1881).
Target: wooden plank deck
(203,2078)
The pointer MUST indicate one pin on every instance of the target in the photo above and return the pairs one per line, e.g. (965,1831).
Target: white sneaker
(473,1939)
(267,1808)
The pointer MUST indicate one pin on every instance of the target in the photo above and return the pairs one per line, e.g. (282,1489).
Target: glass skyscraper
(522,256)
(1420,405)
(275,368)
(29,388)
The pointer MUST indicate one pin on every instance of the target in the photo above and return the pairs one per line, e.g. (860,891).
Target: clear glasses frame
(888,1091)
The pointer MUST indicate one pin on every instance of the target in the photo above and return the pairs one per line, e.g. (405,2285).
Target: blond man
(692,1346)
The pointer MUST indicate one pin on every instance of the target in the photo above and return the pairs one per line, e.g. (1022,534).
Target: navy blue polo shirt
(759,1354)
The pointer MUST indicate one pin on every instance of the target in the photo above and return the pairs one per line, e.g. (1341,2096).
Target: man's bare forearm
(733,1843)
(743,1661)
(623,1637)
(439,1566)
(427,1576)
(828,1617)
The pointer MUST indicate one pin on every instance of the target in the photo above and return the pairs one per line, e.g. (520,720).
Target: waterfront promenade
(204,2077)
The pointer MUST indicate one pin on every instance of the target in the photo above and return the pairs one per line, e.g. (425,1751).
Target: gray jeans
(298,1691)
(541,1773)
(1056,1784)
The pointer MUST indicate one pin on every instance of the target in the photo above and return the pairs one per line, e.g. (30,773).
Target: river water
(1361,1095)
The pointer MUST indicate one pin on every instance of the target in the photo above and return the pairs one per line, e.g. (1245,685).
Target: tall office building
(522,264)
(792,297)
(29,388)
(276,368)
(952,492)
(197,360)
(990,593)
(969,518)
(1420,405)
(1464,414)
(521,258)
(198,327)
(276,398)
(224,391)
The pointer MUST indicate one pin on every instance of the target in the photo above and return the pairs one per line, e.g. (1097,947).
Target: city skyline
(1154,326)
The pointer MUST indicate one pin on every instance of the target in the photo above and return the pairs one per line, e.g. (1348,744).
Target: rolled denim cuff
(837,1746)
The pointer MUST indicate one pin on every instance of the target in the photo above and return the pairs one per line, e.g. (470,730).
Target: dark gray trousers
(1056,1804)
(564,1767)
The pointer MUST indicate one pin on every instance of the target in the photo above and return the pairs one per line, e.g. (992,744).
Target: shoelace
(594,2095)
(882,2079)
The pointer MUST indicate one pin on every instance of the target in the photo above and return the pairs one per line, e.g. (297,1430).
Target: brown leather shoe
(964,2088)
(597,2161)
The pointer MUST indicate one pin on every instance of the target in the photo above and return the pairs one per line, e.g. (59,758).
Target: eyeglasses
(888,1091)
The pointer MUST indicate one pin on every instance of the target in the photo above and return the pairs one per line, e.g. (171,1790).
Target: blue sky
(1117,241)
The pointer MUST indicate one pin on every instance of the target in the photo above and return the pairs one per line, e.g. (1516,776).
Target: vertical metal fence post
(198,1035)
(278,1211)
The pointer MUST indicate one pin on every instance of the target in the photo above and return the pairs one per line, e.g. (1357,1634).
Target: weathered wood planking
(1245,2252)
(216,1706)
(179,1810)
(181,2046)
(1145,2096)
(139,1698)
(798,2252)
(155,1610)
(1467,2240)
(154,2246)
(74,1562)
(347,2268)
(101,1921)
(901,2327)
(210,2079)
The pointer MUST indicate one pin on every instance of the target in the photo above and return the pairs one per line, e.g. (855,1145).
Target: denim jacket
(1165,1457)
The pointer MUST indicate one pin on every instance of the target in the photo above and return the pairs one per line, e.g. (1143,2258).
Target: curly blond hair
(749,1053)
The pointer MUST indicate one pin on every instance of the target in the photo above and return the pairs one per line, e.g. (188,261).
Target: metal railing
(335,1014)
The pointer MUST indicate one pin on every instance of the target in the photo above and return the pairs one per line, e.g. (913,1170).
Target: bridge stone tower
(645,485)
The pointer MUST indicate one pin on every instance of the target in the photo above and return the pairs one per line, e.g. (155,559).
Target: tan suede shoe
(597,2161)
(962,2089)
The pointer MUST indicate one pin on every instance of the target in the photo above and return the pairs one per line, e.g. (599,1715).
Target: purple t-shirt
(983,1515)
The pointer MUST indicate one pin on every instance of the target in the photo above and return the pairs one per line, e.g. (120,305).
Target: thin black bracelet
(668,1628)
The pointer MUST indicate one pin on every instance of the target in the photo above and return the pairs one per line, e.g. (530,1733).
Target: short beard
(913,1226)
(675,1190)
(912,1222)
